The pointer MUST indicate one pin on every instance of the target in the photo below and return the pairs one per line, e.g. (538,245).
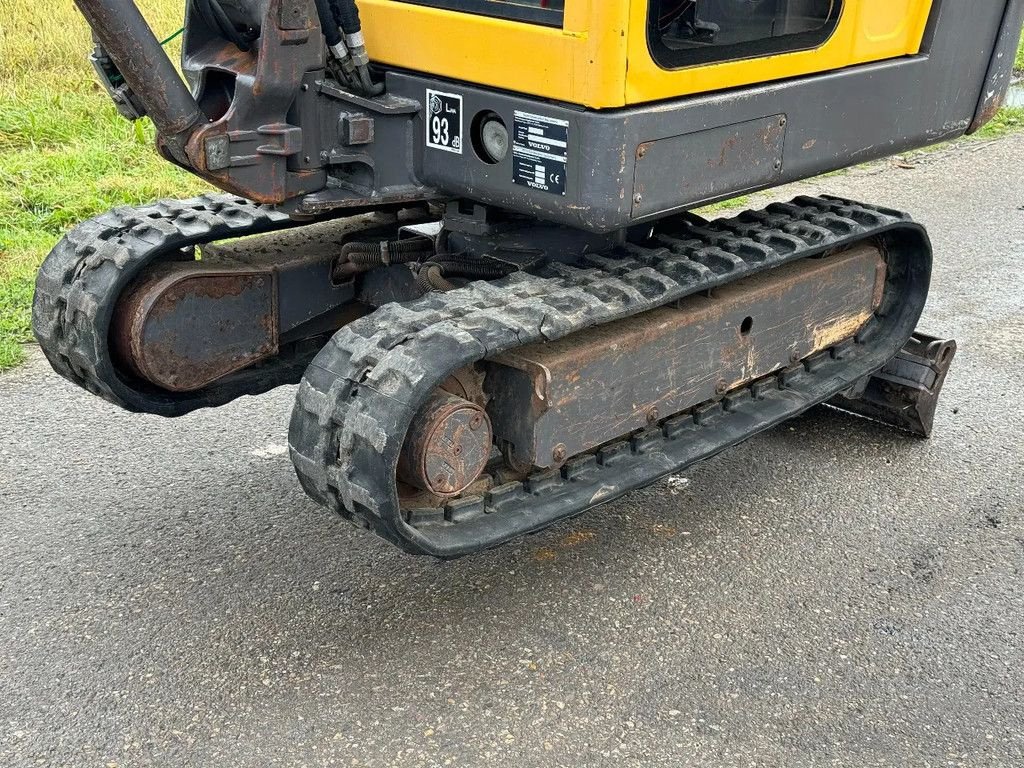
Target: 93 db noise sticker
(444,121)
(540,152)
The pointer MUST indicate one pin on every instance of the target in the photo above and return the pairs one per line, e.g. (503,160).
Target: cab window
(684,33)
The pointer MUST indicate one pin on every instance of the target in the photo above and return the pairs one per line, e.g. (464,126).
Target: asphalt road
(828,593)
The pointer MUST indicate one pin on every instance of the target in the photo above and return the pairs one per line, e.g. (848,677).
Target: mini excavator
(466,229)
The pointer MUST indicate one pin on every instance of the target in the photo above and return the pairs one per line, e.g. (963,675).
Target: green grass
(65,154)
(1007,120)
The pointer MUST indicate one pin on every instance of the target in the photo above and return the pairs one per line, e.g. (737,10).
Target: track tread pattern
(82,277)
(355,403)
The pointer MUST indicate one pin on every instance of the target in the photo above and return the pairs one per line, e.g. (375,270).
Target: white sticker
(444,121)
(540,152)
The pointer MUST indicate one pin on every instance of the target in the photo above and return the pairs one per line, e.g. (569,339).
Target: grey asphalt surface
(827,593)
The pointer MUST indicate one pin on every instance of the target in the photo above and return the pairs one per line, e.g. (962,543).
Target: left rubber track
(85,275)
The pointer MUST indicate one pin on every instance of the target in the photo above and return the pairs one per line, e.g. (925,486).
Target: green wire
(165,42)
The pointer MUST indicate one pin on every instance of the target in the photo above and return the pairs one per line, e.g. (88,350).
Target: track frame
(360,394)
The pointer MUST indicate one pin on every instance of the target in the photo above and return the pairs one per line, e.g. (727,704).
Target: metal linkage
(85,277)
(361,394)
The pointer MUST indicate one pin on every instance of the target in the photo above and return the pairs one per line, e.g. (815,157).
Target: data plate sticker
(444,121)
(540,152)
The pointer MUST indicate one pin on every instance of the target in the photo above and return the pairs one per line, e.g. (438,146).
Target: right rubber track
(361,392)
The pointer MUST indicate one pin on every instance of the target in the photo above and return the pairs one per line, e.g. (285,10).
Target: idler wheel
(447,447)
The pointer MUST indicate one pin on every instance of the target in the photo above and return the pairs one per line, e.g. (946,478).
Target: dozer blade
(905,393)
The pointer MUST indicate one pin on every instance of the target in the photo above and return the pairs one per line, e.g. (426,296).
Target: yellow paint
(600,58)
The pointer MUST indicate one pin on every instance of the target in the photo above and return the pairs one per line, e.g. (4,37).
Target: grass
(1007,120)
(66,155)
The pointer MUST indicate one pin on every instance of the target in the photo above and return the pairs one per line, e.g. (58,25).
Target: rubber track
(81,279)
(360,393)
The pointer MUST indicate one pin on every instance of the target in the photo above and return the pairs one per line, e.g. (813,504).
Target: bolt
(652,415)
(782,122)
(721,387)
(476,422)
(638,198)
(642,151)
(794,356)
(305,86)
(559,453)
(778,165)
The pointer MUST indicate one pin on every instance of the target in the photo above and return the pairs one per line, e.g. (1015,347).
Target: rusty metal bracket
(905,393)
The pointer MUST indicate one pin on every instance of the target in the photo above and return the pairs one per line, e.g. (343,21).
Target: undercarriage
(469,378)
(468,236)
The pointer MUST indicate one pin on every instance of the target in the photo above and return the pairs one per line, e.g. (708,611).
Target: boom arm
(125,36)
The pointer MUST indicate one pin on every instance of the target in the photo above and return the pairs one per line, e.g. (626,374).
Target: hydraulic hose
(347,14)
(328,23)
(225,26)
(477,269)
(362,257)
(431,278)
(388,252)
(434,275)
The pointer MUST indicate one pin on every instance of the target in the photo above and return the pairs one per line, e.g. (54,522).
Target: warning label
(540,152)
(444,121)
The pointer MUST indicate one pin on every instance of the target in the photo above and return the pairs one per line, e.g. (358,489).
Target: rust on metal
(184,326)
(699,166)
(559,399)
(146,68)
(250,148)
(447,447)
(467,383)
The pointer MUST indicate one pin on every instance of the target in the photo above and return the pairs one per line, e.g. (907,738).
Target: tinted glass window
(548,12)
(690,32)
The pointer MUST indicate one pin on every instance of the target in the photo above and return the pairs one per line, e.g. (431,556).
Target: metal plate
(559,399)
(185,326)
(707,164)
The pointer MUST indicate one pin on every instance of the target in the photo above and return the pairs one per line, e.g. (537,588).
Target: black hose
(328,22)
(430,278)
(215,16)
(347,14)
(390,252)
(206,13)
(471,265)
(434,275)
(362,257)
(479,270)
